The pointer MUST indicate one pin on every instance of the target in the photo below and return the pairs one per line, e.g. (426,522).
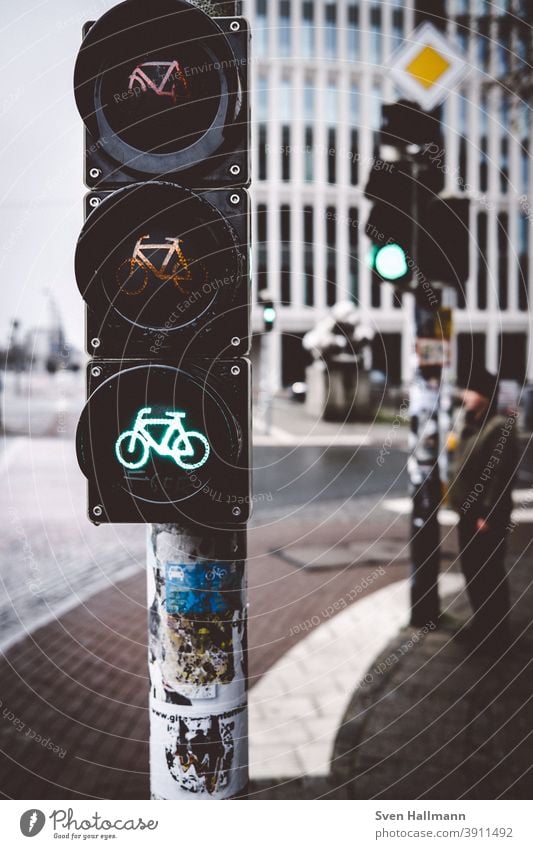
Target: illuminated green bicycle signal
(188,448)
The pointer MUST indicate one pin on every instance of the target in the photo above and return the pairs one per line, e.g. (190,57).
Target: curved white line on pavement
(298,705)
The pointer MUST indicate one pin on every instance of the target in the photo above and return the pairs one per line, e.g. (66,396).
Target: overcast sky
(41,159)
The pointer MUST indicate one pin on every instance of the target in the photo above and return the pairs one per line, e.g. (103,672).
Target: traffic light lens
(161,436)
(269,315)
(390,262)
(164,101)
(158,256)
(160,86)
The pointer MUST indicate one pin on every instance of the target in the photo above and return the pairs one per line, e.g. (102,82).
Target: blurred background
(329,554)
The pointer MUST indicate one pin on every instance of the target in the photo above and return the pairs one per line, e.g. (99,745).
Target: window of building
(513,357)
(376,39)
(309,117)
(502,47)
(398,22)
(524,117)
(285,230)
(504,145)
(354,134)
(463,141)
(330,31)
(353,246)
(483,43)
(309,286)
(375,291)
(262,157)
(284,28)
(503,253)
(309,156)
(483,145)
(286,115)
(375,118)
(471,349)
(331,121)
(523,262)
(308,29)
(353,33)
(331,255)
(261,28)
(481,244)
(262,248)
(262,115)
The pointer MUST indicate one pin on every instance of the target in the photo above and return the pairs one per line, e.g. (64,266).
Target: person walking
(480,491)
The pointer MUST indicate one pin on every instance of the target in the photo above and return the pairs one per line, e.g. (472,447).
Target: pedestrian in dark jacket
(481,492)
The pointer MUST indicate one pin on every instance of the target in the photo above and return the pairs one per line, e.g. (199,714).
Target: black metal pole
(424,476)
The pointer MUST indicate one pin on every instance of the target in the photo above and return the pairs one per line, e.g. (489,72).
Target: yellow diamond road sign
(427,66)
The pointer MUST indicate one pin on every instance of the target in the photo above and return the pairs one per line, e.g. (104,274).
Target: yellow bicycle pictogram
(134,272)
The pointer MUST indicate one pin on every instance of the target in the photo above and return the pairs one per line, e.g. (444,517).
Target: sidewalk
(442,722)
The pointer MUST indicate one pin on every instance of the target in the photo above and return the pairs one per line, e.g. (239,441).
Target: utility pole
(197,661)
(163,264)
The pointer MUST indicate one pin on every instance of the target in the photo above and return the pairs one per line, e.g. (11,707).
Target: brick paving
(74,720)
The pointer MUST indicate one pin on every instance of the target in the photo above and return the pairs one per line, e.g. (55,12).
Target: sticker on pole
(427,66)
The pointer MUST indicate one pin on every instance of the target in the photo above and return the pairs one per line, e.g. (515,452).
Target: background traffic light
(415,233)
(162,263)
(389,226)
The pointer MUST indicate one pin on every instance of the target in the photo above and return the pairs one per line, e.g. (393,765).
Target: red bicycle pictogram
(134,272)
(168,87)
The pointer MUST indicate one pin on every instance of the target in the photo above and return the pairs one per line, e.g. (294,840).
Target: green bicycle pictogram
(188,448)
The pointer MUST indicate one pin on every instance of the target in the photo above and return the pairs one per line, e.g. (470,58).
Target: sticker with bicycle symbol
(188,449)
(134,273)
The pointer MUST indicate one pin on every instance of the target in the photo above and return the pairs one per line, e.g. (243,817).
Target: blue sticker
(203,588)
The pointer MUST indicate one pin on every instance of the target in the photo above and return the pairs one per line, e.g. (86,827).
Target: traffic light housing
(390,222)
(445,243)
(146,69)
(165,443)
(165,270)
(162,263)
(405,196)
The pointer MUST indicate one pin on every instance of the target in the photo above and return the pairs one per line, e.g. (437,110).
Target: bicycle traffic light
(165,270)
(158,442)
(162,263)
(163,91)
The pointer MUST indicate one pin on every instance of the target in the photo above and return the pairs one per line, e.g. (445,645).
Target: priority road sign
(427,66)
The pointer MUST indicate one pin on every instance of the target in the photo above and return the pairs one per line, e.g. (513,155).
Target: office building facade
(320,78)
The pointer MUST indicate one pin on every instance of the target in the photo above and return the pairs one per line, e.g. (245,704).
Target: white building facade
(319,79)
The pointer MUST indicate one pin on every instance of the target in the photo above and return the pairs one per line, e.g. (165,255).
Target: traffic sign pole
(198,662)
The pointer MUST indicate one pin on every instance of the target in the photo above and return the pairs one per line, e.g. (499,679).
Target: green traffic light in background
(269,314)
(390,261)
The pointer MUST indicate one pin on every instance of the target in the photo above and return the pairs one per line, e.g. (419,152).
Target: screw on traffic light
(162,263)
